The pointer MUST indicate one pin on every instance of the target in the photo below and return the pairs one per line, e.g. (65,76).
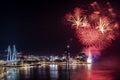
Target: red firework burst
(96,29)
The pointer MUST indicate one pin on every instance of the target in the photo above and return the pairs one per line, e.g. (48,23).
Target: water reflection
(88,73)
(62,72)
(12,74)
(25,71)
(53,71)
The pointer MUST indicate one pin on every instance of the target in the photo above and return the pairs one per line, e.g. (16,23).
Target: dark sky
(37,26)
(33,26)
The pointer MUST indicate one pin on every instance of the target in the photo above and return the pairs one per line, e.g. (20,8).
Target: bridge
(11,55)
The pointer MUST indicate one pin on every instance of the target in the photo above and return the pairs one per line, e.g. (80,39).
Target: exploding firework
(95,28)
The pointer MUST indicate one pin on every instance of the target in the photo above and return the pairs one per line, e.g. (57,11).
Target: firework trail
(95,28)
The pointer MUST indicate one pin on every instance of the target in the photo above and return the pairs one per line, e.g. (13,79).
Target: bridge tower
(14,54)
(9,57)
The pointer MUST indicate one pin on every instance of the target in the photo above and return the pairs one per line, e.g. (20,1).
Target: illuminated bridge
(11,55)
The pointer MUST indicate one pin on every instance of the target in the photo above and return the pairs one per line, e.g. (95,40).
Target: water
(63,72)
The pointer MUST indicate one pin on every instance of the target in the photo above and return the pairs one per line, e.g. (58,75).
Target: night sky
(38,27)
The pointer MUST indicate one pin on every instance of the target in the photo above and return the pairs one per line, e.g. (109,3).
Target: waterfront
(62,72)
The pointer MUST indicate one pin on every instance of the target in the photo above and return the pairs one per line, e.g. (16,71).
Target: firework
(96,28)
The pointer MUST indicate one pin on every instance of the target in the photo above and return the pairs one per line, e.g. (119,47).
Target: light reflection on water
(59,72)
(90,74)
(12,74)
(53,72)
